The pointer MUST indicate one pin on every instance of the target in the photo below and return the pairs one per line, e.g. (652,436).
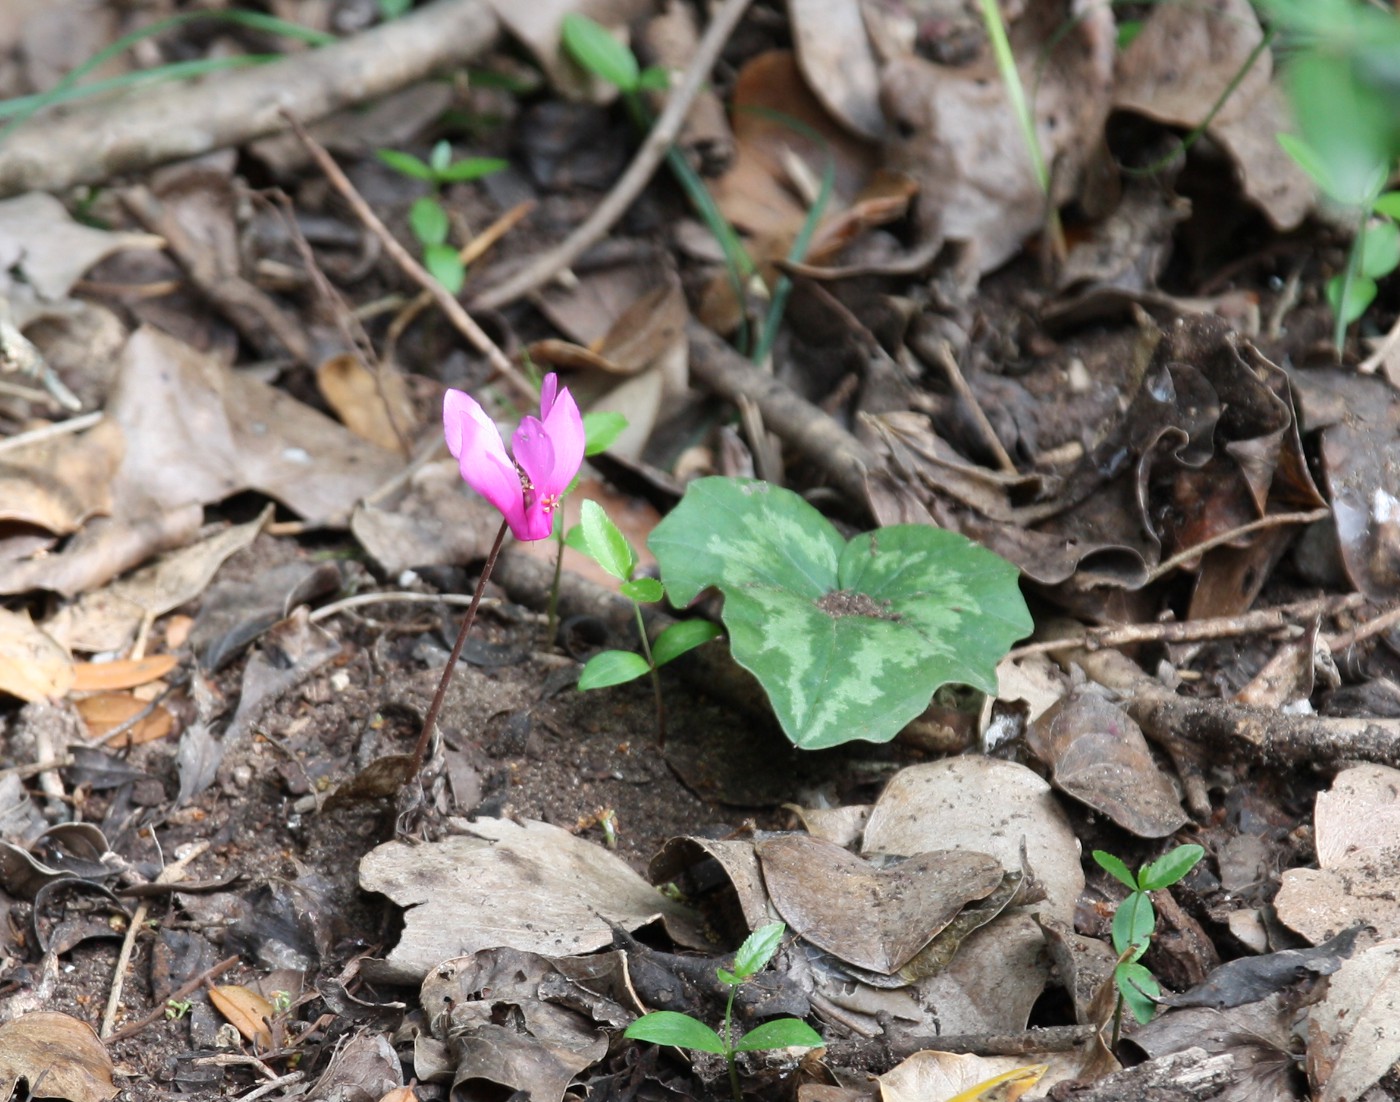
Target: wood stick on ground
(171,122)
(1223,730)
(252,312)
(663,135)
(877,1051)
(447,302)
(169,874)
(190,985)
(1259,622)
(815,434)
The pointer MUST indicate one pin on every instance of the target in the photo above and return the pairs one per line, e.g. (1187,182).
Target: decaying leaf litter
(234,554)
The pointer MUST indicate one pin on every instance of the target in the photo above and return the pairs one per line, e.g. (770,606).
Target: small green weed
(1134,922)
(667,1027)
(428,217)
(599,538)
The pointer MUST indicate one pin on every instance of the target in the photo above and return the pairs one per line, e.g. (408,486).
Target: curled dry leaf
(33,665)
(1354,1033)
(374,406)
(126,673)
(837,59)
(874,918)
(58,484)
(57,1056)
(102,711)
(50,249)
(967,1078)
(246,1010)
(1098,755)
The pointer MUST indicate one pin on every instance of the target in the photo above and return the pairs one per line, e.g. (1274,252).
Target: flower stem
(430,719)
(655,677)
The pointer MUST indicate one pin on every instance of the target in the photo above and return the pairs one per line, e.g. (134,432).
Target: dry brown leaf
(103,711)
(57,1056)
(108,618)
(401,1094)
(1354,1034)
(246,1010)
(838,62)
(435,521)
(376,409)
(128,673)
(53,251)
(57,484)
(933,1076)
(33,665)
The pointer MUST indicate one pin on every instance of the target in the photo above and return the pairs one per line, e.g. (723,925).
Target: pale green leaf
(600,429)
(682,637)
(1133,924)
(1116,868)
(405,163)
(645,590)
(471,168)
(428,221)
(758,949)
(1388,205)
(1170,867)
(440,157)
(1138,987)
(595,49)
(779,1033)
(607,546)
(666,1027)
(1380,252)
(445,266)
(611,667)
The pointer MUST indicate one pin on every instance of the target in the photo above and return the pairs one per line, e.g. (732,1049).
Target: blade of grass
(22,107)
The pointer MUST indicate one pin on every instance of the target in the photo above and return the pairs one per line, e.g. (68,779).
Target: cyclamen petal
(548,453)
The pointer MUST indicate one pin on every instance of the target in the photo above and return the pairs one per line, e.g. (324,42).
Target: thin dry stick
(362,599)
(1196,631)
(48,432)
(663,135)
(1344,639)
(169,874)
(979,415)
(194,984)
(1181,558)
(449,305)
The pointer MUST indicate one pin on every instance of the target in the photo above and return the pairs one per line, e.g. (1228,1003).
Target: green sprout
(599,538)
(1134,922)
(599,53)
(175,1009)
(428,218)
(667,1027)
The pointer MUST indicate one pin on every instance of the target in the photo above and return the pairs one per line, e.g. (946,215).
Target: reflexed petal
(548,389)
(563,424)
(534,451)
(474,440)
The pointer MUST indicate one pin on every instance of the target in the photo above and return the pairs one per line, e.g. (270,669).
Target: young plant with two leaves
(1134,923)
(667,1027)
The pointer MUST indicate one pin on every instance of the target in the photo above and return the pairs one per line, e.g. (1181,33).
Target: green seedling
(175,1009)
(1134,922)
(598,538)
(850,639)
(599,53)
(1341,83)
(428,218)
(667,1027)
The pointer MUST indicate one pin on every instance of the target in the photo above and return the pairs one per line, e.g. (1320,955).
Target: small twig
(446,301)
(272,1085)
(1385,348)
(24,772)
(48,432)
(1276,520)
(361,599)
(648,158)
(990,439)
(186,988)
(169,874)
(1195,631)
(132,720)
(1345,639)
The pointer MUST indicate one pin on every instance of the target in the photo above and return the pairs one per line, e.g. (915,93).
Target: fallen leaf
(934,1076)
(527,886)
(1354,1033)
(374,407)
(1098,755)
(58,484)
(57,1056)
(246,1010)
(874,918)
(103,711)
(126,673)
(33,665)
(55,250)
(838,62)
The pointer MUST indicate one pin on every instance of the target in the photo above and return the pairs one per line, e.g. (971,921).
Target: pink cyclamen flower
(548,451)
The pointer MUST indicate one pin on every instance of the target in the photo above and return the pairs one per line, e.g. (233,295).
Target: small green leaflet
(594,48)
(666,1027)
(849,640)
(611,667)
(779,1033)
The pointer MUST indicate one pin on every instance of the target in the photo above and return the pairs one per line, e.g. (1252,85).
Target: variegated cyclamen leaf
(850,640)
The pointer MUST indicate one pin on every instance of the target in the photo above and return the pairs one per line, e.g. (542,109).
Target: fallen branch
(815,434)
(132,133)
(1222,729)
